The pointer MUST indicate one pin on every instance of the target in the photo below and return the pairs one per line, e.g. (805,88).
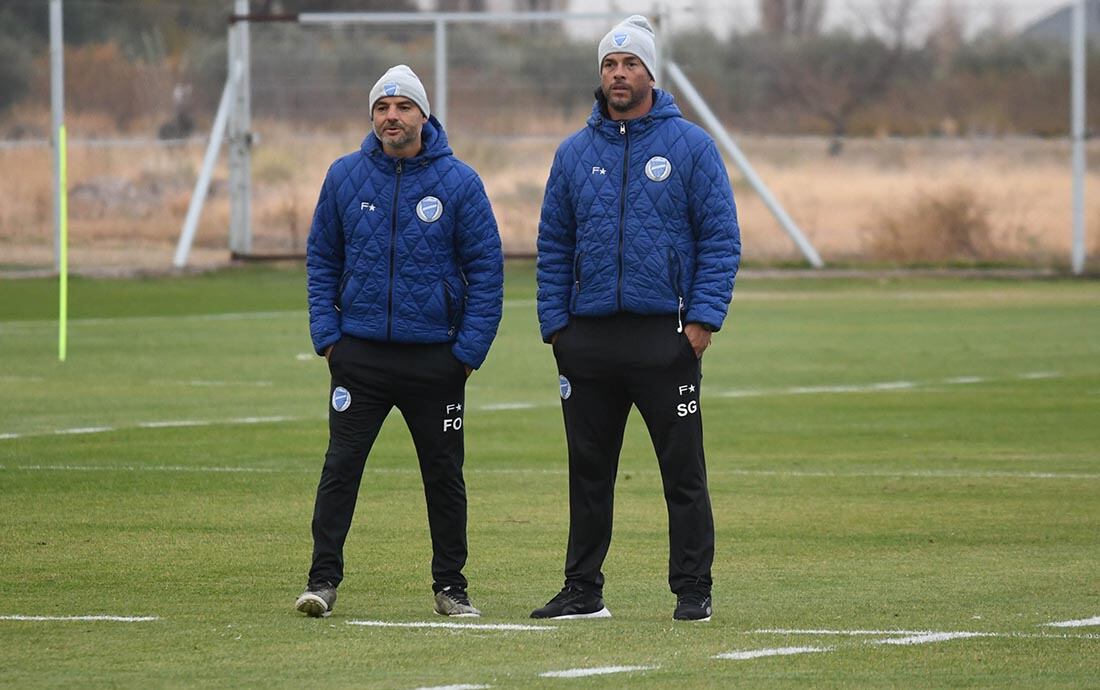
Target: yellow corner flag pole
(63,270)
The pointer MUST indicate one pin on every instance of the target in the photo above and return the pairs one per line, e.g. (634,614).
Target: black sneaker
(317,601)
(693,605)
(573,602)
(453,601)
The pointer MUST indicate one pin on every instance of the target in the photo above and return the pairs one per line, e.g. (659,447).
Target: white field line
(928,638)
(825,633)
(879,387)
(199,383)
(907,638)
(1038,375)
(116,320)
(778,651)
(601,671)
(456,626)
(1080,623)
(143,468)
(83,430)
(48,324)
(463,686)
(498,407)
(171,424)
(925,635)
(963,380)
(113,619)
(493,407)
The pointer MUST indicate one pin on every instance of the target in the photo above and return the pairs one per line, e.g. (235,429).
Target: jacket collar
(664,107)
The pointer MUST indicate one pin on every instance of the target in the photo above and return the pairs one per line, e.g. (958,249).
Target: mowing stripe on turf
(232,316)
(778,651)
(112,619)
(464,686)
(454,626)
(795,474)
(888,386)
(601,671)
(1080,623)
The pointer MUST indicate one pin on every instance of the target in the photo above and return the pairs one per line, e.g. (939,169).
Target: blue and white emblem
(620,40)
(658,169)
(390,88)
(341,399)
(564,387)
(429,209)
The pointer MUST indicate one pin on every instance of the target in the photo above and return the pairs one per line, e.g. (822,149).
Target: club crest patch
(429,209)
(341,399)
(564,387)
(620,40)
(658,168)
(390,88)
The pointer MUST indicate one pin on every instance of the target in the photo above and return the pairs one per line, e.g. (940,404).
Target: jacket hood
(664,106)
(433,144)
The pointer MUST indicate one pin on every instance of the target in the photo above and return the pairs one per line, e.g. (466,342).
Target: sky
(723,15)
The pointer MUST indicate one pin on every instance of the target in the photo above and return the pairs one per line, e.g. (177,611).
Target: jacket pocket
(576,281)
(344,280)
(676,274)
(455,299)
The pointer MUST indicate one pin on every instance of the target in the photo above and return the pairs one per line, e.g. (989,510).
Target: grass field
(905,476)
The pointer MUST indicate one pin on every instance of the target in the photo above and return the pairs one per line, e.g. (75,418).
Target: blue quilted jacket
(638,216)
(405,251)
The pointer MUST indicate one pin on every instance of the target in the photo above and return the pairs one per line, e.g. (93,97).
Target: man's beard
(621,106)
(399,141)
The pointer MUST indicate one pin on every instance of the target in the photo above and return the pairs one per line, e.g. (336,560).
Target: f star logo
(597,170)
(367,206)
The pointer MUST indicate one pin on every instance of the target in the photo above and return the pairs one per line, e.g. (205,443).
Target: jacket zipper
(340,291)
(393,252)
(576,280)
(622,213)
(674,269)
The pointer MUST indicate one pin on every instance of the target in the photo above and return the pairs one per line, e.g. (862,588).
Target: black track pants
(607,365)
(427,384)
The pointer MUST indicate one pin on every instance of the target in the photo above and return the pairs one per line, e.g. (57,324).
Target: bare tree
(947,35)
(792,17)
(834,76)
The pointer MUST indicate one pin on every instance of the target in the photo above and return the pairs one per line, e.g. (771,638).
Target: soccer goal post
(343,51)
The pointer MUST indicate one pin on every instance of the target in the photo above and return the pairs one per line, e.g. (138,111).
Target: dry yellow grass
(127,203)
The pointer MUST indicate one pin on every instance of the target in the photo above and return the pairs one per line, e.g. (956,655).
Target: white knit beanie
(400,80)
(633,35)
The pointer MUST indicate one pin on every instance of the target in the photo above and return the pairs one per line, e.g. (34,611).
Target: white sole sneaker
(602,613)
(696,620)
(313,606)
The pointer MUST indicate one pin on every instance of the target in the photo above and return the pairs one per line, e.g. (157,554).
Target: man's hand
(469,370)
(328,351)
(699,338)
(554,338)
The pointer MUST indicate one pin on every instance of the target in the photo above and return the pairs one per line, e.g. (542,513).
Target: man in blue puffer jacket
(406,282)
(638,247)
